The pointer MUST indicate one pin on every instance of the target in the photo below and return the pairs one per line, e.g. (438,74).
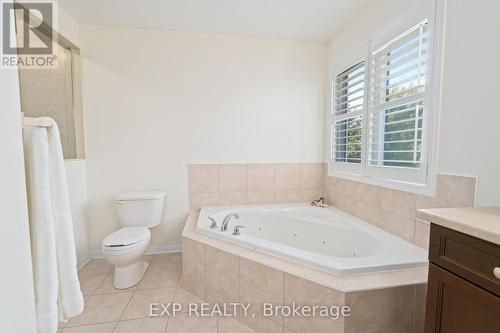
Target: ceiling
(313,20)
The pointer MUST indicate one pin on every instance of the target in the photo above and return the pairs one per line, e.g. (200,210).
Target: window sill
(423,189)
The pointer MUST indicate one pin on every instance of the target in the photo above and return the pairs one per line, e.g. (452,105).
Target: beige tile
(310,195)
(144,325)
(198,200)
(99,328)
(215,298)
(330,188)
(403,203)
(193,259)
(344,203)
(367,194)
(184,298)
(422,231)
(221,272)
(149,257)
(139,306)
(102,309)
(367,213)
(260,284)
(388,279)
(160,278)
(96,266)
(89,283)
(195,288)
(419,314)
(304,292)
(260,177)
(259,323)
(161,261)
(233,198)
(387,310)
(203,178)
(281,197)
(287,176)
(261,198)
(398,225)
(183,323)
(345,187)
(106,287)
(451,191)
(231,325)
(193,267)
(311,176)
(233,178)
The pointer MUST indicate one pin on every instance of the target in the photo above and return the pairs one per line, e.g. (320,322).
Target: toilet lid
(126,236)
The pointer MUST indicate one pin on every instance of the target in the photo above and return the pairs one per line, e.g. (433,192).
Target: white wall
(155,101)
(17,308)
(470,80)
(66,25)
(76,174)
(470,117)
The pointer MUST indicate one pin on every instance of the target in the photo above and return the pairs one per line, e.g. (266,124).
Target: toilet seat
(126,238)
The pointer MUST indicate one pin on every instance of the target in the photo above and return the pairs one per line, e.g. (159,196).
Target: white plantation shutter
(397,86)
(384,105)
(349,99)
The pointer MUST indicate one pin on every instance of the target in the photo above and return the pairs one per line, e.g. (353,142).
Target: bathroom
(179,118)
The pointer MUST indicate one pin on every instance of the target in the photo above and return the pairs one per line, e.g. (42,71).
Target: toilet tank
(140,209)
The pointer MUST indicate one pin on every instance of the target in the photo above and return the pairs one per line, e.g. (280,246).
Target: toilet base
(128,276)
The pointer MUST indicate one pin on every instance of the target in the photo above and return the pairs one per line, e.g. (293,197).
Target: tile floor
(110,310)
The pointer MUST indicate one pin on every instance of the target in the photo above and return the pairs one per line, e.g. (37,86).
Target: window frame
(423,180)
(355,58)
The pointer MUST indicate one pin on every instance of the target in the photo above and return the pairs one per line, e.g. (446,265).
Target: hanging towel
(57,289)
(42,231)
(71,297)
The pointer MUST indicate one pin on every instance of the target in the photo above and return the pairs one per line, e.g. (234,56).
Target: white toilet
(137,212)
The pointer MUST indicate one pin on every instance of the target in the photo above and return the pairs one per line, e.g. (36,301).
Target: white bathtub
(327,239)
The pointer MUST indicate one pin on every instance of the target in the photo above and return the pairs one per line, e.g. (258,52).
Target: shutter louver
(397,85)
(349,106)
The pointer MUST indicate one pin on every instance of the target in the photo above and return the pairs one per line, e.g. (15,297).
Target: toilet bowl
(124,248)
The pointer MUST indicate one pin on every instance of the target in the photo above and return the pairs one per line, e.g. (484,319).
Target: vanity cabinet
(463,292)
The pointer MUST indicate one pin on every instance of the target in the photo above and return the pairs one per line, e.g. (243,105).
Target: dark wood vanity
(463,292)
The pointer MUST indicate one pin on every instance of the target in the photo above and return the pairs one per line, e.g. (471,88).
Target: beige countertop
(480,222)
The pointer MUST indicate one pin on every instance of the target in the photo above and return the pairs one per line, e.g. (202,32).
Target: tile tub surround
(396,211)
(218,271)
(254,184)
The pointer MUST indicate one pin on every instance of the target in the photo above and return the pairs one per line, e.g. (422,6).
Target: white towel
(58,294)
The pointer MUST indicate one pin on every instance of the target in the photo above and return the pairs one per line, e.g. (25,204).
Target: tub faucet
(226,220)
(321,202)
(213,223)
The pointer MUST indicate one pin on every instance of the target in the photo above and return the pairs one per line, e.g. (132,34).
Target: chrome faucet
(226,220)
(213,223)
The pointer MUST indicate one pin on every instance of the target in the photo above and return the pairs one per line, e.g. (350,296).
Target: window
(384,107)
(349,108)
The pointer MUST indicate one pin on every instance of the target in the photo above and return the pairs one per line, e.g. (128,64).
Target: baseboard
(157,249)
(160,249)
(80,262)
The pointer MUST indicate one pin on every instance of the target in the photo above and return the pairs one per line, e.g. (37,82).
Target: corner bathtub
(325,238)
